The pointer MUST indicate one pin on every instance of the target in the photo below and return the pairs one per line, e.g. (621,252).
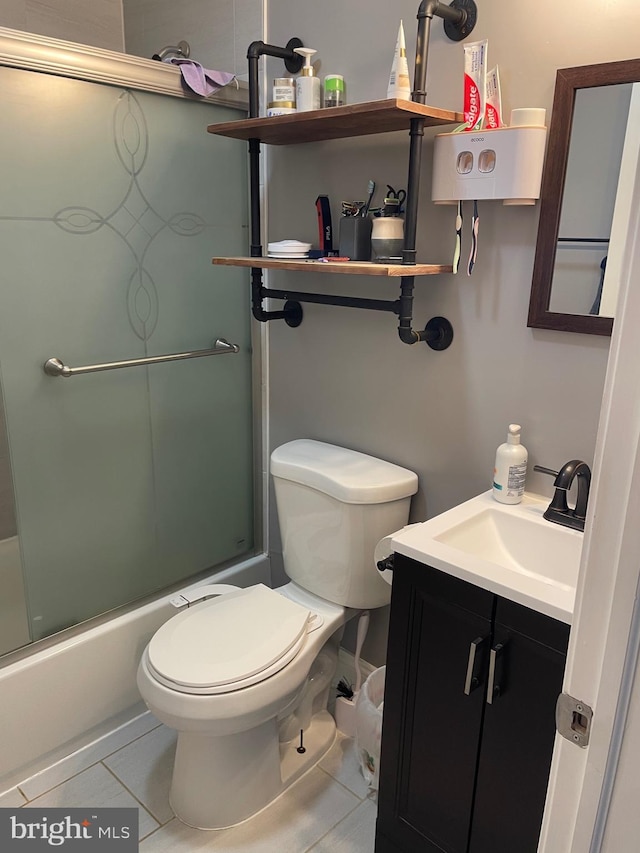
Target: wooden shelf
(344,267)
(336,122)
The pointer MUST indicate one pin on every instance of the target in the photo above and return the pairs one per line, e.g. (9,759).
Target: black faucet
(558,510)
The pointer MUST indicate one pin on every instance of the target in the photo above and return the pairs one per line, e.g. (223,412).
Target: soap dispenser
(510,469)
(307,84)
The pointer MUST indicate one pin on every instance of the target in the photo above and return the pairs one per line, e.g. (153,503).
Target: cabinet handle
(472,680)
(493,689)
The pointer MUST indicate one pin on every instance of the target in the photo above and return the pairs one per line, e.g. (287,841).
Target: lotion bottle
(510,469)
(307,84)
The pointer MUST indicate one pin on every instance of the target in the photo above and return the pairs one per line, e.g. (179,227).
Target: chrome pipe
(56,367)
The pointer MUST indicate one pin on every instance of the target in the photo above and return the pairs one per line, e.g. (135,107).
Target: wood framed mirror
(593,138)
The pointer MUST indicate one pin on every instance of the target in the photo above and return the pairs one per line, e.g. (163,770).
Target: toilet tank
(334,505)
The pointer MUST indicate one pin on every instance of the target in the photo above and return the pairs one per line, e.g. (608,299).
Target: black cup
(355,238)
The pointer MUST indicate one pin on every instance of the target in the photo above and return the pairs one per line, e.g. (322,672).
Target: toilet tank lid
(347,475)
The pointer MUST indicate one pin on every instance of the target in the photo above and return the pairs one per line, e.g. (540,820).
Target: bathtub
(62,697)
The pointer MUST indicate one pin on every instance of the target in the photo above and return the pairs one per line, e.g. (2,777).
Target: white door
(589,787)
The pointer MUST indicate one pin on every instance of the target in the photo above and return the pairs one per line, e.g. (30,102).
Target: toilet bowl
(243,675)
(239,707)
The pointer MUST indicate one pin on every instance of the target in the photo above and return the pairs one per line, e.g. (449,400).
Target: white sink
(510,550)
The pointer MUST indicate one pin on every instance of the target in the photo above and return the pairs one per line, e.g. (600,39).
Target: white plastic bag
(369,725)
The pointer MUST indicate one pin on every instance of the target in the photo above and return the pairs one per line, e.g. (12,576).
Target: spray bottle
(510,469)
(307,84)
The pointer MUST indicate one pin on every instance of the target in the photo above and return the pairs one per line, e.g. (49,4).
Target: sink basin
(518,544)
(510,550)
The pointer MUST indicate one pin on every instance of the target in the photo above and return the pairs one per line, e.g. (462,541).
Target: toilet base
(219,782)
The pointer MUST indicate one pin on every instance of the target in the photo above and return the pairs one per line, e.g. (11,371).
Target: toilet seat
(228,643)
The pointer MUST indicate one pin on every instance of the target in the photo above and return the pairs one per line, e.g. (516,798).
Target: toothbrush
(456,254)
(371,188)
(475,222)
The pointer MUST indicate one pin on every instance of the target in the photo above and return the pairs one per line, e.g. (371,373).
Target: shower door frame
(33,52)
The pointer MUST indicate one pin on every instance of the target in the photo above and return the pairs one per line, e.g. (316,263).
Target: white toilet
(244,676)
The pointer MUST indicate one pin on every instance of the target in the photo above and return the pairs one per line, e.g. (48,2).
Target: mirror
(592,158)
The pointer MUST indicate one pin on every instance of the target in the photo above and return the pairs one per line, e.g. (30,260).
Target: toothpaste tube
(493,108)
(475,59)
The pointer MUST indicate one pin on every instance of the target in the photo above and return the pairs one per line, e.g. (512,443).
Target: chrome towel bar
(55,367)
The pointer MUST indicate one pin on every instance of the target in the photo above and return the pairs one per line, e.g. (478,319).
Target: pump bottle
(307,84)
(510,469)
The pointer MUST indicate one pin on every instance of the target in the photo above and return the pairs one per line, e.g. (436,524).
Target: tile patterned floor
(329,810)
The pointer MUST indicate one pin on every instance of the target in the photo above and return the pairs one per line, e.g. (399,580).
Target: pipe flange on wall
(294,64)
(438,333)
(459,31)
(292,313)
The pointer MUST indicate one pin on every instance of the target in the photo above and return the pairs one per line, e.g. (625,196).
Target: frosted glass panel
(112,207)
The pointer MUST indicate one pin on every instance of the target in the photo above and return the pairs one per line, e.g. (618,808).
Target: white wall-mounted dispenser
(503,163)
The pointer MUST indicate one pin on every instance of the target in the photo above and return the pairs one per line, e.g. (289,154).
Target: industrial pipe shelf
(343,267)
(336,123)
(354,120)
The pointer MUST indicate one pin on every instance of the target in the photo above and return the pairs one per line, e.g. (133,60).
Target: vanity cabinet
(469,717)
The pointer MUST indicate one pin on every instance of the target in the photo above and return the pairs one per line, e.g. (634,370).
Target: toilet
(244,675)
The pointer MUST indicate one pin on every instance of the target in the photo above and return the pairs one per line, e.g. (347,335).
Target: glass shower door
(112,205)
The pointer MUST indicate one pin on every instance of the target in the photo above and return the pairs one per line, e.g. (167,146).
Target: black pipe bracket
(459,17)
(459,31)
(438,333)
(293,313)
(294,64)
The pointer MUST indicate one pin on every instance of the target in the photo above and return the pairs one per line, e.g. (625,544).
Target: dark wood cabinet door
(431,727)
(518,730)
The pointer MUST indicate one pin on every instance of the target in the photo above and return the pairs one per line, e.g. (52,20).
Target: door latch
(573,719)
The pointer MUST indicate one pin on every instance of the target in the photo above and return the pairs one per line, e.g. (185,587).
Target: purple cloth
(201,80)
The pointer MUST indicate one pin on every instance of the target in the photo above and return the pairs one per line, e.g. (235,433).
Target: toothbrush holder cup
(387,238)
(355,238)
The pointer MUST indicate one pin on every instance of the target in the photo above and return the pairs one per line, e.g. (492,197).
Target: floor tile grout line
(125,745)
(161,824)
(153,831)
(346,787)
(120,782)
(136,798)
(15,787)
(334,827)
(73,775)
(146,809)
(62,782)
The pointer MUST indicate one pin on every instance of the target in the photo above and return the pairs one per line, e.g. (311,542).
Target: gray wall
(218,31)
(343,376)
(94,22)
